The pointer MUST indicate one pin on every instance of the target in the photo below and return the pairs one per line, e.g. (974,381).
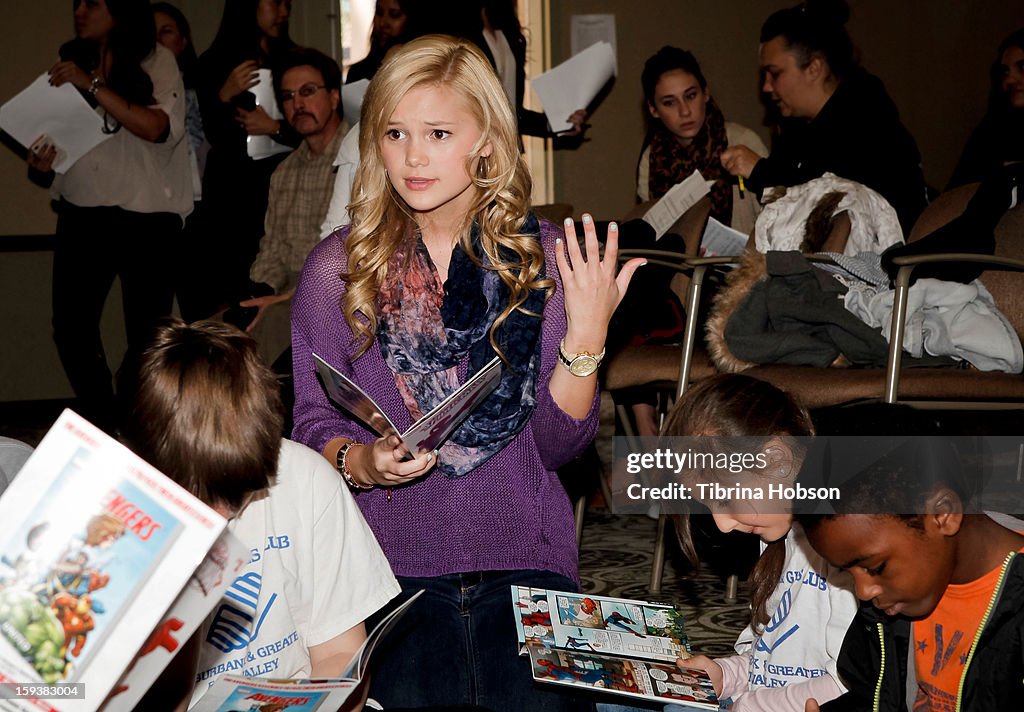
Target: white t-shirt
(812,608)
(130,172)
(316,571)
(347,162)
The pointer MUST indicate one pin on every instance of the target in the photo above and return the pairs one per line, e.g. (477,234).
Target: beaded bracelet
(341,463)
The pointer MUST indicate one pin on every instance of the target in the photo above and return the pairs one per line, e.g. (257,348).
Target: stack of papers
(574,83)
(60,113)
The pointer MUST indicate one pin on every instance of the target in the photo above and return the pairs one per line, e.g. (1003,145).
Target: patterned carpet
(615,560)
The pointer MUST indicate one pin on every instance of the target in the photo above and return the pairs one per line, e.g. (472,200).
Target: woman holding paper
(689,133)
(252,36)
(443,268)
(502,40)
(122,203)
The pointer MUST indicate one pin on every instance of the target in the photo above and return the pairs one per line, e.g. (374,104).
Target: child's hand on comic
(811,705)
(703,662)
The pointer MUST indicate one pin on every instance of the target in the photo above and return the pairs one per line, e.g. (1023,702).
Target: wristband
(95,84)
(341,463)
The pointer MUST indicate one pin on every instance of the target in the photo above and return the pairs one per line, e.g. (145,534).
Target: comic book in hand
(204,590)
(599,624)
(616,645)
(233,693)
(429,431)
(662,682)
(96,544)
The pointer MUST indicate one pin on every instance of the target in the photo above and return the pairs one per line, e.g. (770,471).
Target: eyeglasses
(305,91)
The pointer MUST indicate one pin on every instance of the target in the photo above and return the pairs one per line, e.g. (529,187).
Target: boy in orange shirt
(941,578)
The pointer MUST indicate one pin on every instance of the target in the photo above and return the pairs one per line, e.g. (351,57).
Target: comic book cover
(601,624)
(203,591)
(96,545)
(234,693)
(433,428)
(228,692)
(624,676)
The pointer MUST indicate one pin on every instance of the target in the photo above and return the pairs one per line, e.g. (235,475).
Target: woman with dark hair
(389,24)
(688,132)
(252,35)
(837,117)
(192,276)
(999,138)
(121,204)
(502,40)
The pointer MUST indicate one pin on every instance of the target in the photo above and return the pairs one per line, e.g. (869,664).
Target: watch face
(583,365)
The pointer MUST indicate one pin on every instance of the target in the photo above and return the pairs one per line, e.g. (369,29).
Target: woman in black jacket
(837,117)
(252,35)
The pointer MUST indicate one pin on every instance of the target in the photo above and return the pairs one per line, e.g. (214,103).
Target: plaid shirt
(300,191)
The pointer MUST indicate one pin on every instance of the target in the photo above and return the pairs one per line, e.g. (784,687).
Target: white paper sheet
(352,100)
(263,146)
(680,198)
(721,239)
(574,83)
(59,112)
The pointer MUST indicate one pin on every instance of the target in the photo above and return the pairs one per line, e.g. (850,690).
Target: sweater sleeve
(790,697)
(734,674)
(318,326)
(558,435)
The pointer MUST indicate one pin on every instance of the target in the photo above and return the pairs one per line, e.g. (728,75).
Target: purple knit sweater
(509,513)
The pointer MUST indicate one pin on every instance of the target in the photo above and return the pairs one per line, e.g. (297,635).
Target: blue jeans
(457,646)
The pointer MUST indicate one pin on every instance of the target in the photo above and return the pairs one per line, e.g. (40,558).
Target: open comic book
(235,693)
(96,546)
(433,428)
(613,645)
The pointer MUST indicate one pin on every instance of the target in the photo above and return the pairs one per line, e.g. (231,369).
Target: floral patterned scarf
(427,329)
(671,162)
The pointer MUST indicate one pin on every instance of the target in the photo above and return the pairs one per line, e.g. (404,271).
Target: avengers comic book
(96,544)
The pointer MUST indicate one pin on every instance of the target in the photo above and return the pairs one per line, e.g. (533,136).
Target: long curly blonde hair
(381,220)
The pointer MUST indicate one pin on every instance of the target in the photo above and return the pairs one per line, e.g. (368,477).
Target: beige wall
(932,55)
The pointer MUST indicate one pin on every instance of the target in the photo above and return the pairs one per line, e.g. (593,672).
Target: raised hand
(593,286)
(242,78)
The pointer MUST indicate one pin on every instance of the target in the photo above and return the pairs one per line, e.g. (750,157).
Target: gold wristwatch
(580,364)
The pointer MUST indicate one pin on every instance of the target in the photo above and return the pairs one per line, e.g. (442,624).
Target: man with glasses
(308,88)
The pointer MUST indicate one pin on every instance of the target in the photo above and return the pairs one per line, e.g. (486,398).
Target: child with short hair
(206,411)
(801,606)
(946,586)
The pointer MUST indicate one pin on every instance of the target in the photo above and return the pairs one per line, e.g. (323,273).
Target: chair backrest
(1005,286)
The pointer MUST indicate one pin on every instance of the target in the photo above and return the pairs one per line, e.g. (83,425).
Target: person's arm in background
(147,122)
